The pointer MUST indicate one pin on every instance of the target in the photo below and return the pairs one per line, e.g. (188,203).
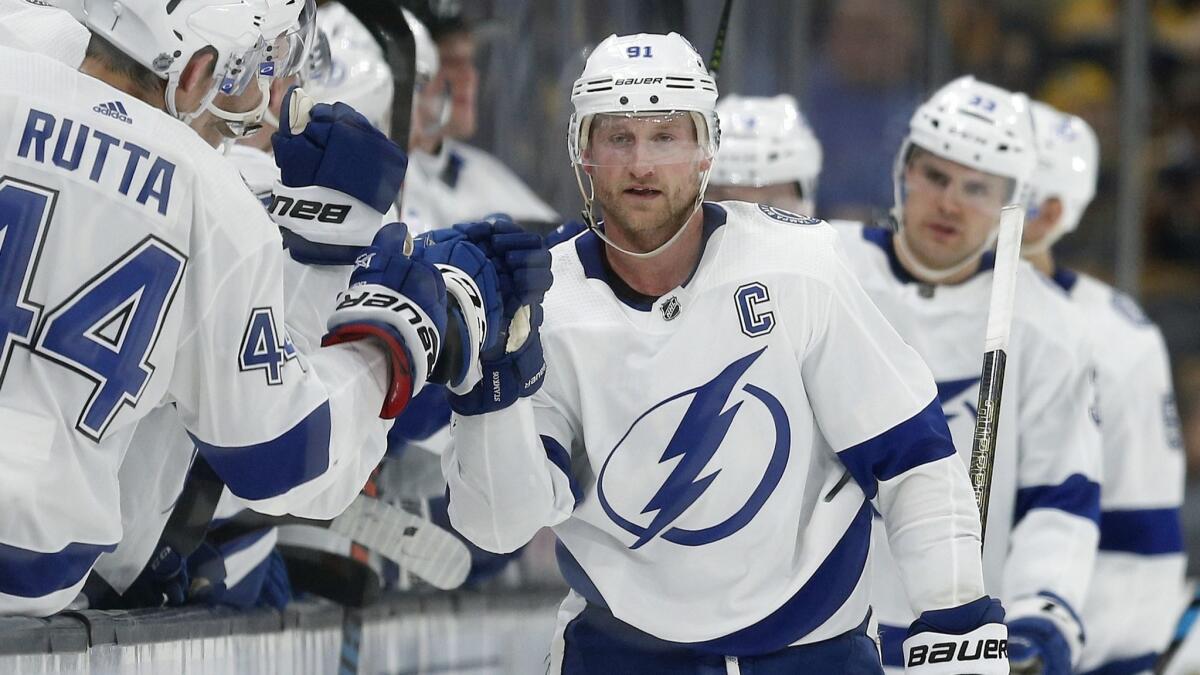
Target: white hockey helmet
(253,39)
(358,73)
(978,125)
(766,141)
(1068,167)
(651,76)
(644,74)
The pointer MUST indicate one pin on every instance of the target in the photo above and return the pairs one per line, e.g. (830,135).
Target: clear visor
(285,55)
(641,139)
(318,65)
(431,105)
(955,185)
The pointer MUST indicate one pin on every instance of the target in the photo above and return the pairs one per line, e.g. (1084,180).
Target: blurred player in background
(453,182)
(1137,590)
(695,409)
(768,154)
(969,152)
(162,234)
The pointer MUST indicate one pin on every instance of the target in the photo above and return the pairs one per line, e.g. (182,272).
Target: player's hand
(338,149)
(475,307)
(514,366)
(970,638)
(401,303)
(1045,636)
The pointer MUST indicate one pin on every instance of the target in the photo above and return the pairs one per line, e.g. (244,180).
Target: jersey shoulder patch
(787,216)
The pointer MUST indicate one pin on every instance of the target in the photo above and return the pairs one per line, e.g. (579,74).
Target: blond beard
(653,230)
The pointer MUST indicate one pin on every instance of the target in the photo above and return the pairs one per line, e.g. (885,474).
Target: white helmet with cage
(645,76)
(1067,168)
(978,125)
(254,40)
(766,141)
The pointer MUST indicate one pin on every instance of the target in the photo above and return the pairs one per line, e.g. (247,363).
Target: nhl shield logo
(670,308)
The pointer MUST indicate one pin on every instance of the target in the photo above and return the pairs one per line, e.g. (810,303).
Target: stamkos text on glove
(961,650)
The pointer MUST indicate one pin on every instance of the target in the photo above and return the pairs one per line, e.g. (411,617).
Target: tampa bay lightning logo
(949,393)
(702,419)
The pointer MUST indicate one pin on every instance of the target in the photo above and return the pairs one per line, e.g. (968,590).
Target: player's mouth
(941,232)
(642,192)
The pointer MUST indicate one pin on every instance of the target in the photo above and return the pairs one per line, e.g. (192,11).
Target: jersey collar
(1065,278)
(595,262)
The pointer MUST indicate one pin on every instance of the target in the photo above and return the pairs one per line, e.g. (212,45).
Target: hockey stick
(991,383)
(413,542)
(718,50)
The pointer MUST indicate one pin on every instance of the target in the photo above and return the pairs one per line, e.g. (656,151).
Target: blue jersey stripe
(1141,531)
(32,574)
(1076,495)
(273,467)
(825,592)
(559,457)
(891,644)
(921,439)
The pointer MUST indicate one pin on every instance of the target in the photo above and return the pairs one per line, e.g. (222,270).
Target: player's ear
(1053,210)
(195,79)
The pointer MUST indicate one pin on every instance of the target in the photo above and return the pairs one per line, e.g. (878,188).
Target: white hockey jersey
(137,271)
(34,26)
(462,184)
(694,451)
(1138,587)
(1044,506)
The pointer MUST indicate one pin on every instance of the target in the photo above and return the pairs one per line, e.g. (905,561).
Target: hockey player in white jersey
(709,373)
(969,152)
(768,154)
(173,294)
(1137,589)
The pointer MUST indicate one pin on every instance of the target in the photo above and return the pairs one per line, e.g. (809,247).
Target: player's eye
(664,137)
(620,140)
(978,189)
(936,177)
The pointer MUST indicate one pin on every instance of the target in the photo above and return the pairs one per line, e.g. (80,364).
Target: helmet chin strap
(248,120)
(590,218)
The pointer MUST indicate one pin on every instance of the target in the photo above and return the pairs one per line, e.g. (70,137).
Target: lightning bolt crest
(695,441)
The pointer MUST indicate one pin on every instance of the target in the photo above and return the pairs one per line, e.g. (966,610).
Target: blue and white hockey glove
(338,174)
(474,309)
(970,638)
(514,366)
(1045,635)
(399,301)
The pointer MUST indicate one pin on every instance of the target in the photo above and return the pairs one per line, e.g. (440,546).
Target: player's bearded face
(950,210)
(646,172)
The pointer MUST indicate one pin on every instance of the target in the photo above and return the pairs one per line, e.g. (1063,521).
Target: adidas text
(115,110)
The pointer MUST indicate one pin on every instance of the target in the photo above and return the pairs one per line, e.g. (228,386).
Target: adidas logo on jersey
(115,110)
